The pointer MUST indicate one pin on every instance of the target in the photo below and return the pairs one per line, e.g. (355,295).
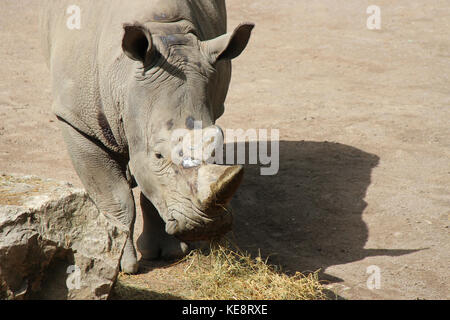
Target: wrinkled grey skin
(135,72)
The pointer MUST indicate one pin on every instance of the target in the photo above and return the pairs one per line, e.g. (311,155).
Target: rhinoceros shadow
(309,215)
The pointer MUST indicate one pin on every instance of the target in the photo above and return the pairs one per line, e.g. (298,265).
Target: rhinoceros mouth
(195,225)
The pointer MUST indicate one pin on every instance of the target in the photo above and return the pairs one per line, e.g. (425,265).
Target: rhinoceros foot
(161,245)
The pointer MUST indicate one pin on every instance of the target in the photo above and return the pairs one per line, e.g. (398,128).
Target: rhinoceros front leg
(154,242)
(105,181)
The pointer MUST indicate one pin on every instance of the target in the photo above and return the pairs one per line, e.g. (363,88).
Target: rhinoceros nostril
(190,123)
(169,124)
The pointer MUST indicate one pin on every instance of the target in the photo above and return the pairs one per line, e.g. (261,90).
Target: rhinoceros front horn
(215,187)
(217,184)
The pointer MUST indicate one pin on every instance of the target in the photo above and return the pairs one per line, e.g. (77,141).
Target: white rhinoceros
(123,79)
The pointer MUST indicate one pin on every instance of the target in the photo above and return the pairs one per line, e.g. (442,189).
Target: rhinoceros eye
(159,155)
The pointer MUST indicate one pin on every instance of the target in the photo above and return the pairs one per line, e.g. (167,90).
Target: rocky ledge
(54,243)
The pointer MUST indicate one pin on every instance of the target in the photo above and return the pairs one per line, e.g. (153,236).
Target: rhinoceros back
(88,67)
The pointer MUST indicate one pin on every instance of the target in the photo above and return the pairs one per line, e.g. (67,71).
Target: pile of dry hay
(223,273)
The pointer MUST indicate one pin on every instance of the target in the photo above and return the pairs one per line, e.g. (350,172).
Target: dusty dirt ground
(364,120)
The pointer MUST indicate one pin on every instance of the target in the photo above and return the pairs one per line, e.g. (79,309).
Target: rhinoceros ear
(230,45)
(136,42)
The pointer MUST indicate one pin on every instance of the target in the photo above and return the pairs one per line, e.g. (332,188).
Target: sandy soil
(364,120)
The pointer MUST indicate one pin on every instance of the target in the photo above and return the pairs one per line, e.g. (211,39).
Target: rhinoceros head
(176,91)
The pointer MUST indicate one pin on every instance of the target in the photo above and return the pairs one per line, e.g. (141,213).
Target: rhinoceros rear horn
(230,45)
(137,42)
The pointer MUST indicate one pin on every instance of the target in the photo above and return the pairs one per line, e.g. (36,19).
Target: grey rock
(54,242)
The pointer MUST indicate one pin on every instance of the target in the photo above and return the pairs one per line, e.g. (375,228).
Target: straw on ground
(226,273)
